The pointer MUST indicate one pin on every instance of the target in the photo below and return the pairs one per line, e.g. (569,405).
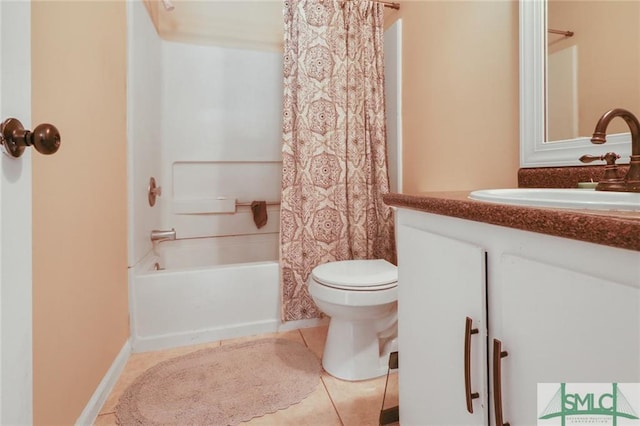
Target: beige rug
(221,386)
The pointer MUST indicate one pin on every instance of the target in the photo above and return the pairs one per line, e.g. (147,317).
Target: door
(16,401)
(442,329)
(559,325)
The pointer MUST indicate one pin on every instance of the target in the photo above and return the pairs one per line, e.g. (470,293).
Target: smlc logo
(589,403)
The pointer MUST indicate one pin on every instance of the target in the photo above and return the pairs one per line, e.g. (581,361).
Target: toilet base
(352,351)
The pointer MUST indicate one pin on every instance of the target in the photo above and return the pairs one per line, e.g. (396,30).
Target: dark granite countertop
(616,229)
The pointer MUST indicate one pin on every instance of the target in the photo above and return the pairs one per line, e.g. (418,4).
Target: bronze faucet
(610,180)
(631,182)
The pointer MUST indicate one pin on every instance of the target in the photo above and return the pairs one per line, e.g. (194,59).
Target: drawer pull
(498,354)
(469,396)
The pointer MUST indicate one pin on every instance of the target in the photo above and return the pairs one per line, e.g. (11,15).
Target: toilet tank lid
(356,273)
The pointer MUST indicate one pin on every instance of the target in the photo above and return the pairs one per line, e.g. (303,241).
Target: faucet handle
(610,180)
(609,157)
(153,191)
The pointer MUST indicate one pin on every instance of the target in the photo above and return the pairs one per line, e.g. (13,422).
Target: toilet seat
(357,275)
(361,299)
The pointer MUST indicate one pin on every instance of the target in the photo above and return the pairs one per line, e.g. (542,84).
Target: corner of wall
(144,86)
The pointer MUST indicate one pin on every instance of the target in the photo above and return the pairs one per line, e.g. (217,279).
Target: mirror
(594,69)
(536,108)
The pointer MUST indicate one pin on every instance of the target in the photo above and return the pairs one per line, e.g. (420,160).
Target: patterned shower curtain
(334,143)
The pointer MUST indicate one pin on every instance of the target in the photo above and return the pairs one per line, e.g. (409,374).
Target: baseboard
(92,409)
(195,337)
(305,323)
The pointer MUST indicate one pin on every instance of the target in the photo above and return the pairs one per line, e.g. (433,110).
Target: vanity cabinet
(560,311)
(431,317)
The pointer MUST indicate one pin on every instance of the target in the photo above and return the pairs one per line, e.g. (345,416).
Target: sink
(561,198)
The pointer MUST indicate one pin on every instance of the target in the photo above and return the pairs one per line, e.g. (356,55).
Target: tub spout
(163,235)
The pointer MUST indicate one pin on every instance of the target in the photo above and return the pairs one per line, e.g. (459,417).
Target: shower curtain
(334,143)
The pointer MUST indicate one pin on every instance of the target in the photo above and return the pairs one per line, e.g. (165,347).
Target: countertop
(615,229)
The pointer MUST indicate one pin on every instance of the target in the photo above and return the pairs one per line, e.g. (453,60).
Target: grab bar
(248,203)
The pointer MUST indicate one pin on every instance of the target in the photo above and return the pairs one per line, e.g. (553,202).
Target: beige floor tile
(106,420)
(291,335)
(315,337)
(138,363)
(391,398)
(315,410)
(358,403)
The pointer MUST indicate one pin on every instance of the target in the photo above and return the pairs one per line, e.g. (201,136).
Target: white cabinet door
(441,282)
(560,325)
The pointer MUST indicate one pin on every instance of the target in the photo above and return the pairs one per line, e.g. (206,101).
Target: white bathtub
(210,289)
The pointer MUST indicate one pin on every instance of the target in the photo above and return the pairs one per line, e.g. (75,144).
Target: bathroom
(80,287)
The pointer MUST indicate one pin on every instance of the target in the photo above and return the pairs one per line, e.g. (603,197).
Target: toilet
(360,297)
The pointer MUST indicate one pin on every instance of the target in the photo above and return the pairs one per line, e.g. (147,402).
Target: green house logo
(585,406)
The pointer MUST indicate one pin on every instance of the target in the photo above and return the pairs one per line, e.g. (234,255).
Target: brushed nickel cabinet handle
(498,354)
(469,396)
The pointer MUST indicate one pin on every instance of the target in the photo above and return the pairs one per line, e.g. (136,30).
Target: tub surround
(610,228)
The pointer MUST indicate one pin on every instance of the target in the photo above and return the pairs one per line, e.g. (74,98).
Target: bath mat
(221,386)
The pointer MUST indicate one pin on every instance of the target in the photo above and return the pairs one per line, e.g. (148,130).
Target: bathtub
(205,289)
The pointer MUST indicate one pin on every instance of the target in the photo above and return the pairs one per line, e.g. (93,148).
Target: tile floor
(334,402)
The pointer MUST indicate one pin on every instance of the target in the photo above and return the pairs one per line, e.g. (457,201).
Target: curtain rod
(564,33)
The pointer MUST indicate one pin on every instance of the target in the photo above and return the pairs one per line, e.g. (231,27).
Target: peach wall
(607,34)
(460,94)
(80,314)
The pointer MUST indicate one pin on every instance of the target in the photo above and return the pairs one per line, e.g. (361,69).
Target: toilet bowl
(360,297)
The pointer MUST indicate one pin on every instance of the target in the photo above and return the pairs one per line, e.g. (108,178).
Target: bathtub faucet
(162,235)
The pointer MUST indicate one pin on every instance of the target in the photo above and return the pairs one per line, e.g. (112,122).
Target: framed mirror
(536,148)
